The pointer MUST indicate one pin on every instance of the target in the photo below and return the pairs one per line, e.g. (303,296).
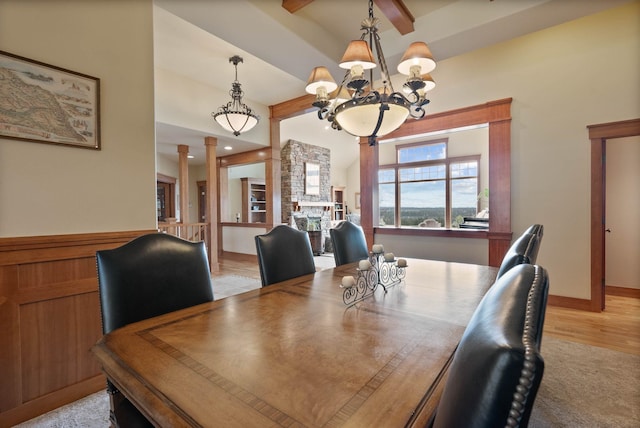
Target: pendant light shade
(236,122)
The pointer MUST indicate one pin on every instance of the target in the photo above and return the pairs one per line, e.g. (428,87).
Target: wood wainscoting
(49,319)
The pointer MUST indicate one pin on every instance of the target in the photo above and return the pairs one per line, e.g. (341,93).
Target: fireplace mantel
(313,204)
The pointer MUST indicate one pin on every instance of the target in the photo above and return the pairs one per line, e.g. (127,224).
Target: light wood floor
(616,328)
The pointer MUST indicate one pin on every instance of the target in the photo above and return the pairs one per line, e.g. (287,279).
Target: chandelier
(235,116)
(355,105)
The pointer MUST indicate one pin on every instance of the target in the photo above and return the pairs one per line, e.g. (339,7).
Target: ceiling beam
(293,6)
(398,13)
(395,11)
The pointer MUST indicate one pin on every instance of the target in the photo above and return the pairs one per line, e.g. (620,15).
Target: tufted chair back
(497,369)
(349,243)
(284,253)
(523,250)
(149,276)
(536,229)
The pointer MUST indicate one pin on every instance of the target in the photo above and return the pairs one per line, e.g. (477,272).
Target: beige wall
(353,186)
(47,189)
(561,80)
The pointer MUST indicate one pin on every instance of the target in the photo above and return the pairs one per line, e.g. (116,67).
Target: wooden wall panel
(56,354)
(9,341)
(50,319)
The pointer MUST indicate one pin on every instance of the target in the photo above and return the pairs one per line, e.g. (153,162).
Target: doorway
(599,134)
(622,209)
(165,197)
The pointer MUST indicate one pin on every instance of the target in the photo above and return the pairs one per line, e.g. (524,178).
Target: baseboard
(230,255)
(572,303)
(587,305)
(612,290)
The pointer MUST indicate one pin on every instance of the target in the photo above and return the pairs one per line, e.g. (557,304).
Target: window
(426,188)
(387,196)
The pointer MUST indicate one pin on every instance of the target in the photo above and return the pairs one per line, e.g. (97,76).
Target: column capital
(211,141)
(183,148)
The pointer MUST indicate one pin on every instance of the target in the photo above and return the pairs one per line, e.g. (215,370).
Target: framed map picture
(47,104)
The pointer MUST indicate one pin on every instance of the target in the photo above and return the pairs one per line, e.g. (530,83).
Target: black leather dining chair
(349,243)
(523,250)
(149,276)
(284,253)
(497,368)
(536,229)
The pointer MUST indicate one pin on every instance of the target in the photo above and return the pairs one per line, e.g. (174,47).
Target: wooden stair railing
(194,232)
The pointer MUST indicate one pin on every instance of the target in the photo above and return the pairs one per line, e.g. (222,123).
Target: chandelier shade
(235,116)
(355,106)
(428,81)
(367,119)
(340,95)
(417,56)
(320,78)
(358,53)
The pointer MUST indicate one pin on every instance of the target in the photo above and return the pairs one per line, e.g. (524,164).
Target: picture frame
(357,200)
(311,178)
(44,103)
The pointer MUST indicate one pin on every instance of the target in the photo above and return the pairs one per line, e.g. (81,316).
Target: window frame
(447,161)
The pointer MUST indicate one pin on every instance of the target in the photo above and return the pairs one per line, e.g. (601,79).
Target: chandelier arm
(371,31)
(419,110)
(326,111)
(384,71)
(373,138)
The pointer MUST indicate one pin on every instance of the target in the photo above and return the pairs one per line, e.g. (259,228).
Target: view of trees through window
(426,188)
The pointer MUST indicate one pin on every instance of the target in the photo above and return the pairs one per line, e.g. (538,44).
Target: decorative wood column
(183,172)
(369,212)
(273,175)
(212,201)
(499,185)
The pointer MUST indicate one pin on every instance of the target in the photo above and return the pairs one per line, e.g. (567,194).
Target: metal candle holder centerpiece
(379,269)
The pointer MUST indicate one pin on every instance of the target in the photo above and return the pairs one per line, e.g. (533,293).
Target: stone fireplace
(293,156)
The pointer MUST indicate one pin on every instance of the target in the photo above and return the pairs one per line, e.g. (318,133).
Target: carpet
(587,386)
(583,386)
(324,261)
(91,411)
(228,285)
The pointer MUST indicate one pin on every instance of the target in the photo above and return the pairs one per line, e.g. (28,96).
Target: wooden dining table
(293,354)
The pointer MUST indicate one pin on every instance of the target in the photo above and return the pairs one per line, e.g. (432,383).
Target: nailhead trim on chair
(528,372)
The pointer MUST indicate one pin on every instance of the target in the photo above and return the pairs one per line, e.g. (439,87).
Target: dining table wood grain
(293,354)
